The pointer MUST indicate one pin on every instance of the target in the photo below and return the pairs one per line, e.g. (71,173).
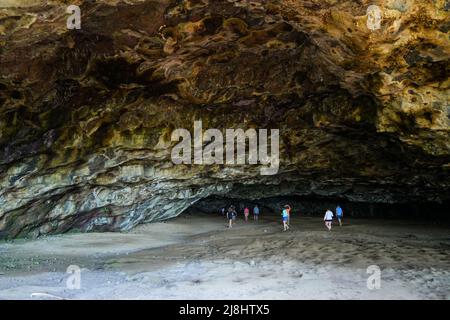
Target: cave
(152,115)
(313,206)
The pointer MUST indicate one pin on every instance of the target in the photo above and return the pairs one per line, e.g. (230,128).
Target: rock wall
(86,115)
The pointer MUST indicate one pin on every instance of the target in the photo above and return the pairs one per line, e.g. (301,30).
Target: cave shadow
(317,205)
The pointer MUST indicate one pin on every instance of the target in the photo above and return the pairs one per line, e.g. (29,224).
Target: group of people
(232,214)
(328,218)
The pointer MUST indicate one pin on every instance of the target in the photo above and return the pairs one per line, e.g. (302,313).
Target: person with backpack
(339,214)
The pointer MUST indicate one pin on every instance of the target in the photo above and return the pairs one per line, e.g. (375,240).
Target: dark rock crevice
(304,206)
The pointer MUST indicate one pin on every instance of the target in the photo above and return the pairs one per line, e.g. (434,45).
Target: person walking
(231,216)
(328,218)
(246,213)
(285,218)
(339,214)
(256,213)
(288,208)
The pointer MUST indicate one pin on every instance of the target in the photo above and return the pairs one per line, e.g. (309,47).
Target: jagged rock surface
(86,115)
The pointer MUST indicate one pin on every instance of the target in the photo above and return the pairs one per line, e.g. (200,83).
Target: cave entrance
(317,205)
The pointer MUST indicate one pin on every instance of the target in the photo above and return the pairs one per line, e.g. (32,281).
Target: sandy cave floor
(197,257)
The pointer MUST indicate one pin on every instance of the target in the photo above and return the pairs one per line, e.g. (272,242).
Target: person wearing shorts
(328,218)
(288,208)
(339,214)
(231,216)
(256,213)
(246,213)
(285,218)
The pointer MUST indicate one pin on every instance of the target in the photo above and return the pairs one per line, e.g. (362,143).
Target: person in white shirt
(328,218)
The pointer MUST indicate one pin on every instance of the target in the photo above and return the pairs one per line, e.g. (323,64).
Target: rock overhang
(86,114)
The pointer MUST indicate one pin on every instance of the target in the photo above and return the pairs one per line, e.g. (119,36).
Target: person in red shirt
(246,213)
